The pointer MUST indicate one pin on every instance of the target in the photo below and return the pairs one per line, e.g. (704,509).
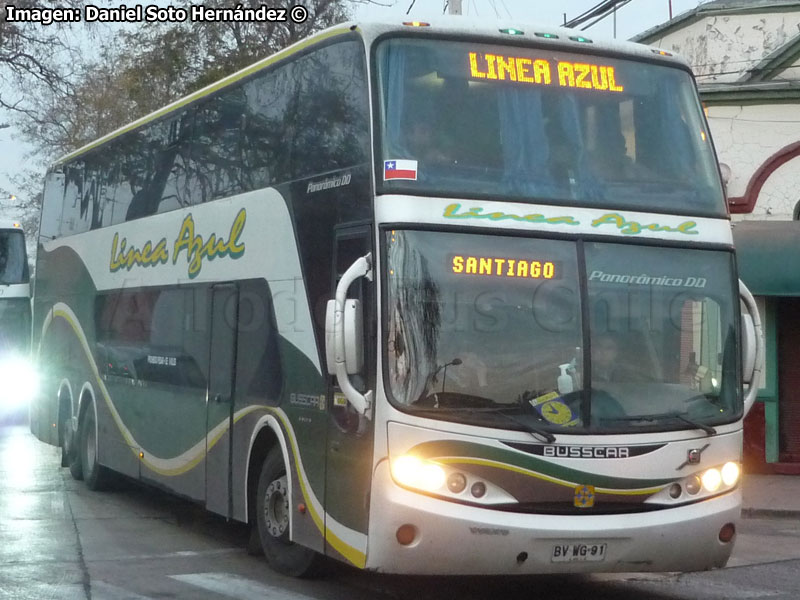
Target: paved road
(60,541)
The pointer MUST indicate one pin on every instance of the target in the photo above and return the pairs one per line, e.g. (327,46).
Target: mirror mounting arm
(361,402)
(755,379)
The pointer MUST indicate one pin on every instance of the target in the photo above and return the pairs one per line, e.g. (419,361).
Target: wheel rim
(276,507)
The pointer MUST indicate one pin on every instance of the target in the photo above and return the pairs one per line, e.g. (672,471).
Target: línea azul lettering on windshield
(538,71)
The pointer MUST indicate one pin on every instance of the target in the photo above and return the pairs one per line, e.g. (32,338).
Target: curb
(769,513)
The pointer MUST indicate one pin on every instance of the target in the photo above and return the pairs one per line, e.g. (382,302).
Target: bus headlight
(18,382)
(730,473)
(700,485)
(712,479)
(414,472)
(446,481)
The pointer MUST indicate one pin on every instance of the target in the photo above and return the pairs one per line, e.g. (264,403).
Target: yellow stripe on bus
(354,555)
(528,472)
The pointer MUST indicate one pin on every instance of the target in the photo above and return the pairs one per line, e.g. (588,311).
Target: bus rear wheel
(272,519)
(70,456)
(94,475)
(70,453)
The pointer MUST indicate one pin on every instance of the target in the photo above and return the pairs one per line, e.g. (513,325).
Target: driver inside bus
(423,145)
(605,358)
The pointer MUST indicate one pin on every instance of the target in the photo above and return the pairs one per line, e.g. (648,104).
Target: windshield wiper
(677,416)
(697,425)
(543,434)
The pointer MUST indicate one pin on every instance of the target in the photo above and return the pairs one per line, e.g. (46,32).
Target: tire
(272,520)
(70,457)
(75,467)
(94,475)
(66,459)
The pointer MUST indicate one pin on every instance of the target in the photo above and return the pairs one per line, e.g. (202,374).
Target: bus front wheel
(272,515)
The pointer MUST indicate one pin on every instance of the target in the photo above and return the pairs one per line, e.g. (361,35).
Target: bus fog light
(727,532)
(730,473)
(456,483)
(675,490)
(712,479)
(478,489)
(693,485)
(406,534)
(417,473)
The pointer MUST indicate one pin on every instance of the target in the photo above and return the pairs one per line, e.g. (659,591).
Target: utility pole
(615,21)
(670,10)
(455,7)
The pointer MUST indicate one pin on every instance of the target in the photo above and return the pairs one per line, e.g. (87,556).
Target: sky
(633,18)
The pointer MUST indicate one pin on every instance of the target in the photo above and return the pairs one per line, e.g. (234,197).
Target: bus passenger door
(350,435)
(219,403)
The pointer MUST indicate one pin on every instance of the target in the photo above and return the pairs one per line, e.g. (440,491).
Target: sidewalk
(771,495)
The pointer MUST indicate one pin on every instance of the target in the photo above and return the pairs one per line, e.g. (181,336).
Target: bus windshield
(13,258)
(520,123)
(492,330)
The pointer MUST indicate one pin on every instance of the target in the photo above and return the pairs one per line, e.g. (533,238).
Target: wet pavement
(59,540)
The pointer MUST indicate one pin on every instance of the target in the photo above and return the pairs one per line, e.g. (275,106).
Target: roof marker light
(581,39)
(416,24)
(548,36)
(661,52)
(512,31)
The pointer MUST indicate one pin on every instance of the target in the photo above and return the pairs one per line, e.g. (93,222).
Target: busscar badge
(584,496)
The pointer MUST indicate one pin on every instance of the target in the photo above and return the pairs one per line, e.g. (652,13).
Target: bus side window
(52,206)
(71,221)
(155,167)
(216,160)
(330,117)
(270,100)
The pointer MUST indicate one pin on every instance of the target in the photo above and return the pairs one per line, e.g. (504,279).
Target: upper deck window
(13,258)
(530,124)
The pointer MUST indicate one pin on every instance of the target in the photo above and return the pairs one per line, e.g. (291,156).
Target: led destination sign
(504,267)
(540,71)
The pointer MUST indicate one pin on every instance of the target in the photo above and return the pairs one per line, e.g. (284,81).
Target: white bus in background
(17,379)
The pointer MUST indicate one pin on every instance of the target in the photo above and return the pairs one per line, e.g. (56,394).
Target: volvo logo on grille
(693,457)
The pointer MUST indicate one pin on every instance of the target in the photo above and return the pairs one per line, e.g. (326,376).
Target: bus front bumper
(456,539)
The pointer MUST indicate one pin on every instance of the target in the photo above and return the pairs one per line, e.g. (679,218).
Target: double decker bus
(431,298)
(17,376)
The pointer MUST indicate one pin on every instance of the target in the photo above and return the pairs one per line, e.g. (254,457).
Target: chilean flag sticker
(399,169)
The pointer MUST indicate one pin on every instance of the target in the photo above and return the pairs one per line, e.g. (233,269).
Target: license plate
(578,552)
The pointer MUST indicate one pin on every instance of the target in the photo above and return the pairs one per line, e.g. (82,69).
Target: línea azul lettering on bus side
(146,256)
(196,247)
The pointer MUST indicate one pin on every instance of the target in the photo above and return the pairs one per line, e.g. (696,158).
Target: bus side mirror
(344,351)
(353,332)
(353,337)
(752,347)
(748,348)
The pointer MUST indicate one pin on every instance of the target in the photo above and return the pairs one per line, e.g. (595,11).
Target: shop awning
(768,254)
